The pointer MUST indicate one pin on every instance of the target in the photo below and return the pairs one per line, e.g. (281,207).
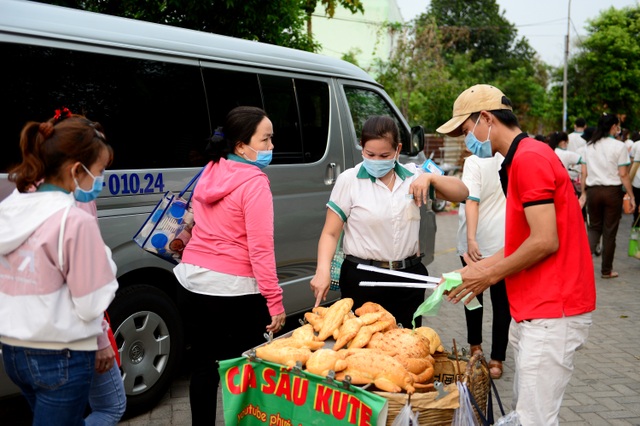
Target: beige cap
(481,97)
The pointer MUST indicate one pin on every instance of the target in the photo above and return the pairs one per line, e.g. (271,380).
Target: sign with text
(263,393)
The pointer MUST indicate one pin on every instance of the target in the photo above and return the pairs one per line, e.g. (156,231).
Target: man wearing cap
(546,262)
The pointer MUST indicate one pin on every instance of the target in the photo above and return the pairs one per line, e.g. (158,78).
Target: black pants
(636,195)
(222,328)
(604,205)
(400,302)
(501,320)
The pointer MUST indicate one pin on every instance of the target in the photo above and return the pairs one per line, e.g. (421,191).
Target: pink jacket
(233,211)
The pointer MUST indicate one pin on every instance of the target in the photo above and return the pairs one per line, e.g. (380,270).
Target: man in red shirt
(546,261)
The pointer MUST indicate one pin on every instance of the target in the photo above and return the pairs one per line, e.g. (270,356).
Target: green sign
(263,393)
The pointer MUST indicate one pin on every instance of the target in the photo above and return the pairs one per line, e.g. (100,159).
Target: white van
(159,92)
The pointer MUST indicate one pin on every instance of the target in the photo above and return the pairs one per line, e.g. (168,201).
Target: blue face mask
(378,168)
(263,158)
(481,149)
(84,196)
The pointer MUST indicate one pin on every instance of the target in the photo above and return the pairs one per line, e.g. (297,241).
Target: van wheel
(148,331)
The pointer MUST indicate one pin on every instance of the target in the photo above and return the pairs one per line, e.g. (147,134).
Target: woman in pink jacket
(229,267)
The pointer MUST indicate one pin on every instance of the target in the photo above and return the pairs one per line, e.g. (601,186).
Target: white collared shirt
(575,142)
(481,177)
(571,161)
(635,153)
(603,159)
(379,224)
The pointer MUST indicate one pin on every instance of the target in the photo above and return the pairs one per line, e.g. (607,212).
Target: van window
(229,89)
(364,103)
(154,113)
(298,109)
(313,102)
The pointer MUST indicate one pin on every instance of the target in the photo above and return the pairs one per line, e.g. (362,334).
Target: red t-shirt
(562,284)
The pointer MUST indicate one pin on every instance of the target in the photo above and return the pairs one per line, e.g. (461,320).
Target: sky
(542,22)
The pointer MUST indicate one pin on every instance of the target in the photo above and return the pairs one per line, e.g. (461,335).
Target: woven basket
(432,412)
(477,380)
(440,412)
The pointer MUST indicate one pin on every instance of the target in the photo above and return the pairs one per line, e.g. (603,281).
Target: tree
(604,76)
(309,6)
(432,64)
(278,22)
(352,56)
(477,27)
(416,76)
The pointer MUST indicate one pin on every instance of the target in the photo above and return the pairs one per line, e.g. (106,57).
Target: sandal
(610,275)
(495,369)
(474,349)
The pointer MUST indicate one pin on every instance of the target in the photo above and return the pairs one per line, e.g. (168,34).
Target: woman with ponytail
(56,275)
(606,175)
(228,268)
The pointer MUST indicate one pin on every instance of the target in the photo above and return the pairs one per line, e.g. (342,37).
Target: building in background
(362,35)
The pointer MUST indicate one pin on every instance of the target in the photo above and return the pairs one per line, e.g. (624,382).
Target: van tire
(148,330)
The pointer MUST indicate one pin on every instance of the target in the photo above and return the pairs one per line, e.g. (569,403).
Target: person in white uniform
(572,161)
(376,204)
(633,172)
(481,226)
(606,174)
(576,139)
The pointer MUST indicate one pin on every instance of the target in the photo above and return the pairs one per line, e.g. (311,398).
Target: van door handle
(331,174)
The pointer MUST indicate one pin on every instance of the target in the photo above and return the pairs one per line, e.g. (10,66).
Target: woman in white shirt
(376,203)
(481,229)
(633,172)
(607,172)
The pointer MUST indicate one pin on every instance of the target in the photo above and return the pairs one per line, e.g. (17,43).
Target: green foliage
(479,28)
(605,74)
(354,6)
(352,56)
(309,6)
(416,76)
(280,22)
(457,44)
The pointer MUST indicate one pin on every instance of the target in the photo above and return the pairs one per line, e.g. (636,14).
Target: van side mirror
(417,140)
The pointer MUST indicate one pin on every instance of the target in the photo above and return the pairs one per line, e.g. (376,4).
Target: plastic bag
(634,238)
(626,204)
(167,229)
(464,415)
(336,266)
(406,417)
(511,419)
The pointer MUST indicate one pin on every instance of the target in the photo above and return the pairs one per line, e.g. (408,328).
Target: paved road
(605,388)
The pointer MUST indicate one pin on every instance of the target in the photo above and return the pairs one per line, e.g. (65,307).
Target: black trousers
(500,324)
(636,195)
(221,328)
(604,205)
(400,302)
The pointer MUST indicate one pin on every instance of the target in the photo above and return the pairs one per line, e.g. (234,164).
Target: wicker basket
(477,380)
(447,369)
(432,412)
(439,412)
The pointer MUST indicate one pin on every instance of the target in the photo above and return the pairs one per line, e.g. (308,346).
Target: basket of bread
(365,347)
